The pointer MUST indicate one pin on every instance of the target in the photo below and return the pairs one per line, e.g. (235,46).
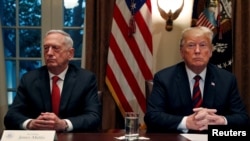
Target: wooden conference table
(111,134)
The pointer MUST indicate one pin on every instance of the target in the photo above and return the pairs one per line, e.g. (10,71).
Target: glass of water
(131,126)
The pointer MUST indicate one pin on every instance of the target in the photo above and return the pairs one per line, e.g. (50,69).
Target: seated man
(36,106)
(170,106)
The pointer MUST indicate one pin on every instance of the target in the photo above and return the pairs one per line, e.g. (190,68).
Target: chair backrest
(101,101)
(148,87)
(100,96)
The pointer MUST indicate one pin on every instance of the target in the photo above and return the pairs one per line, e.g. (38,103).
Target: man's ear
(71,53)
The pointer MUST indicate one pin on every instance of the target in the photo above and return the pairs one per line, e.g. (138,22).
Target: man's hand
(47,121)
(202,117)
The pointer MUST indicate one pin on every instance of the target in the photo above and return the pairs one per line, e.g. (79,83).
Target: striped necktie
(197,99)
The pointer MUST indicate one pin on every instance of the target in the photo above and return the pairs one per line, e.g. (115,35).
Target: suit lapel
(183,86)
(68,86)
(44,89)
(209,88)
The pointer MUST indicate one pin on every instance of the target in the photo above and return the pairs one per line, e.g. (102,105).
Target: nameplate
(28,135)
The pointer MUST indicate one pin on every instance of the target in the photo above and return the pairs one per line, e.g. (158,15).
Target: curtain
(241,35)
(97,30)
(3,92)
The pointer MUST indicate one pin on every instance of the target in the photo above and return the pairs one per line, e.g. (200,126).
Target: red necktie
(55,95)
(197,99)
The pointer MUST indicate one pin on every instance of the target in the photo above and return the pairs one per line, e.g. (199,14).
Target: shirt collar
(61,75)
(191,74)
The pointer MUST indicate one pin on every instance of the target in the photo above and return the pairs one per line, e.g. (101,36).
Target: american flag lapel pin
(212,83)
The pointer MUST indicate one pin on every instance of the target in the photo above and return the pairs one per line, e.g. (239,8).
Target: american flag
(206,18)
(204,13)
(130,55)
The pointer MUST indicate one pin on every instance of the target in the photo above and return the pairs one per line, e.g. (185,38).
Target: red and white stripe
(130,58)
(203,21)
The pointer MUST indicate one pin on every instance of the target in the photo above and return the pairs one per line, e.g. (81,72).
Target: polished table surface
(110,136)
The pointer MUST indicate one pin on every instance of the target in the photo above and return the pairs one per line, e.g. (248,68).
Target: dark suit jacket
(79,99)
(170,99)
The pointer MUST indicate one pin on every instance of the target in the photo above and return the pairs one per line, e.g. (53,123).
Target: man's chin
(199,63)
(51,65)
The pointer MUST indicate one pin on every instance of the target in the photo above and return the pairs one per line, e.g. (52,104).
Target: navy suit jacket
(170,99)
(79,99)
